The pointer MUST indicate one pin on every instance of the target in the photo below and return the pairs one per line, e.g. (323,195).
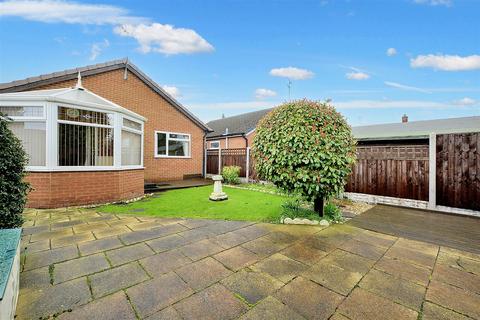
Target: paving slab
(201,249)
(215,302)
(129,253)
(161,231)
(376,238)
(453,298)
(236,258)
(41,245)
(113,307)
(333,277)
(118,278)
(404,270)
(398,290)
(434,312)
(79,267)
(457,278)
(349,261)
(271,308)
(164,262)
(280,267)
(167,243)
(41,303)
(45,258)
(263,246)
(252,286)
(91,247)
(303,253)
(154,295)
(230,239)
(110,232)
(203,273)
(36,279)
(459,262)
(362,304)
(309,299)
(363,249)
(166,314)
(412,256)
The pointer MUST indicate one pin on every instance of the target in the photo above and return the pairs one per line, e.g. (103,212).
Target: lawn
(194,203)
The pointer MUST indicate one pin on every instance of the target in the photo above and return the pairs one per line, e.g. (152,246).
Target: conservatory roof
(77,96)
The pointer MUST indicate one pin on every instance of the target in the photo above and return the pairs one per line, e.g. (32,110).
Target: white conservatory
(74,130)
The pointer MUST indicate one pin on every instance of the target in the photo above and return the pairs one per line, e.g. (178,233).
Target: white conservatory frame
(51,100)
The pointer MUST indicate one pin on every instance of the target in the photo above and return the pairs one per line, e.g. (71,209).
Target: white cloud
(165,38)
(264,93)
(446,3)
(292,73)
(97,49)
(67,12)
(465,102)
(446,62)
(357,76)
(405,87)
(391,52)
(152,37)
(172,90)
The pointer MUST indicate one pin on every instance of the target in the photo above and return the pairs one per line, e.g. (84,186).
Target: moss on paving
(194,203)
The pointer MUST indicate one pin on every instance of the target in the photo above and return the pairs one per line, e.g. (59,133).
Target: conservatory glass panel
(131,148)
(32,135)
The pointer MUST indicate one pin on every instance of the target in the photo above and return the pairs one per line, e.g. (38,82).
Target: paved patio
(79,264)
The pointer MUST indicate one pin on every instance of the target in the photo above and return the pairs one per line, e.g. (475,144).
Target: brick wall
(135,95)
(61,189)
(233,142)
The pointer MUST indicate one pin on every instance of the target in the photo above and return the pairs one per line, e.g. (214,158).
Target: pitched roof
(69,74)
(416,129)
(79,96)
(239,124)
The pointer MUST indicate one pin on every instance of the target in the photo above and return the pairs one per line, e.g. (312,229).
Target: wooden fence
(400,171)
(394,171)
(458,170)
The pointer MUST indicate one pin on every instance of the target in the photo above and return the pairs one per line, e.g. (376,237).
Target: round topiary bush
(305,147)
(13,188)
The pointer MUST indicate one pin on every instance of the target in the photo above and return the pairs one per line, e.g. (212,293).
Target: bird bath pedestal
(218,194)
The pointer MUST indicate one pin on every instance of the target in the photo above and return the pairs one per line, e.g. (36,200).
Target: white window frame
(140,132)
(86,124)
(42,118)
(214,141)
(156,155)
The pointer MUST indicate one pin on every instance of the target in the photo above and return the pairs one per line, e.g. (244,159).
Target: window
(214,144)
(172,144)
(131,143)
(85,138)
(30,127)
(33,135)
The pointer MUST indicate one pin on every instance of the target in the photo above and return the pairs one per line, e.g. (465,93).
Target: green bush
(332,212)
(296,208)
(305,147)
(13,188)
(230,174)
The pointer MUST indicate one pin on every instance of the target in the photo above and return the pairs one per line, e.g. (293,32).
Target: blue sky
(375,59)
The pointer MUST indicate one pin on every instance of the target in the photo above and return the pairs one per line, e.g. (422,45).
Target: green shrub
(305,147)
(231,173)
(13,188)
(332,212)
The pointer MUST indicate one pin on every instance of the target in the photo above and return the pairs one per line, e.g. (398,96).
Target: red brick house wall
(234,142)
(61,189)
(136,96)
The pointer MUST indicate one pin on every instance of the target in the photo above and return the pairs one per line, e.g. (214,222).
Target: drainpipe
(204,160)
(246,140)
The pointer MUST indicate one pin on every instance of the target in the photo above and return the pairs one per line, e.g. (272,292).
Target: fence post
(432,171)
(247,169)
(219,160)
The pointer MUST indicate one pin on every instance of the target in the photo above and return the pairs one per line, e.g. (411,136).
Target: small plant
(296,208)
(231,174)
(13,188)
(332,212)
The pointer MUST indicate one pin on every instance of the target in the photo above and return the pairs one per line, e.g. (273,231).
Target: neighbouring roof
(240,124)
(244,123)
(45,79)
(75,96)
(416,129)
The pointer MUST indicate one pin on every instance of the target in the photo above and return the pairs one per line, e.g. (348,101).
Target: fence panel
(235,157)
(399,171)
(458,170)
(212,161)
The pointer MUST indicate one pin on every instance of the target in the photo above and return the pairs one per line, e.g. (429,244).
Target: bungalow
(98,133)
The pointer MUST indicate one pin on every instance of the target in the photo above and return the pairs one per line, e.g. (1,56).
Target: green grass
(194,203)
